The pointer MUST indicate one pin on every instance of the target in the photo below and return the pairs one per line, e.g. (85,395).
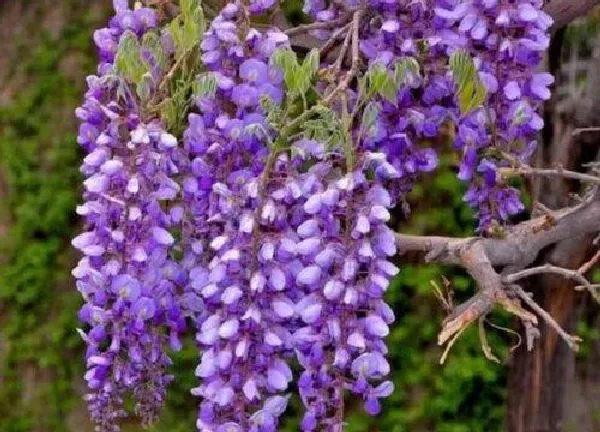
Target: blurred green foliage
(41,354)
(39,167)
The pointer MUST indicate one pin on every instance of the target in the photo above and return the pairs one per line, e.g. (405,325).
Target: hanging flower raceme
(507,40)
(412,119)
(131,304)
(245,344)
(342,244)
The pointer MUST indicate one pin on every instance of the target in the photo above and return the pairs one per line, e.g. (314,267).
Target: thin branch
(586,267)
(579,131)
(574,275)
(518,248)
(491,293)
(343,84)
(450,344)
(355,43)
(571,340)
(520,244)
(337,65)
(338,34)
(558,172)
(485,346)
(509,331)
(546,269)
(318,25)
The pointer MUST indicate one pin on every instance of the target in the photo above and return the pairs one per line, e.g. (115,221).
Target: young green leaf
(406,71)
(205,85)
(379,81)
(370,114)
(187,28)
(470,90)
(143,87)
(287,61)
(311,63)
(151,42)
(128,62)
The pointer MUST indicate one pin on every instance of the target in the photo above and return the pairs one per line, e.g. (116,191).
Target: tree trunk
(540,381)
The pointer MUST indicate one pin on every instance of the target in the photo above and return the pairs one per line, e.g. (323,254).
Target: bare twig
(509,331)
(521,243)
(574,275)
(343,84)
(450,344)
(337,65)
(558,172)
(318,25)
(355,44)
(545,269)
(445,298)
(579,131)
(338,34)
(571,340)
(485,346)
(491,292)
(586,267)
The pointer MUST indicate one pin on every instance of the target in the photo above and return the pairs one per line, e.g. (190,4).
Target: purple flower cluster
(507,40)
(342,243)
(274,245)
(291,259)
(424,103)
(138,21)
(127,276)
(123,276)
(243,338)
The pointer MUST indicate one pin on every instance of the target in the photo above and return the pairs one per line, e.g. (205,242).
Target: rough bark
(496,264)
(538,382)
(565,11)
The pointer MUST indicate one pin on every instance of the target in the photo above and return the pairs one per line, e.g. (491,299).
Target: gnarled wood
(565,11)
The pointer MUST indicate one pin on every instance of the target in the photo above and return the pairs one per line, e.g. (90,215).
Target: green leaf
(379,81)
(205,85)
(470,91)
(370,114)
(187,28)
(406,70)
(176,33)
(304,75)
(128,62)
(151,41)
(188,7)
(143,87)
(274,113)
(311,63)
(326,127)
(287,61)
(194,23)
(168,112)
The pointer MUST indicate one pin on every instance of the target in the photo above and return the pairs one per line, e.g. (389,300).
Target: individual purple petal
(162,236)
(376,326)
(309,275)
(229,328)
